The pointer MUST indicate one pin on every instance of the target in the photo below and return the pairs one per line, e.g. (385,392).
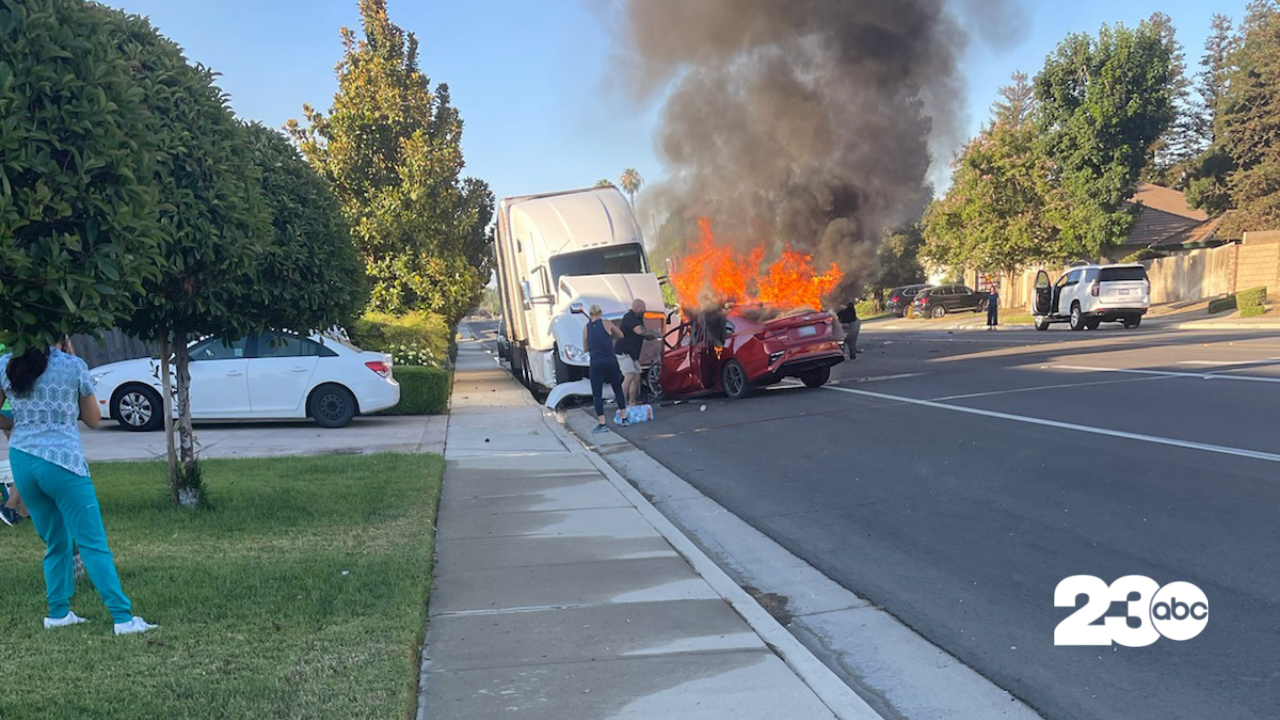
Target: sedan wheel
(332,406)
(652,381)
(733,380)
(138,409)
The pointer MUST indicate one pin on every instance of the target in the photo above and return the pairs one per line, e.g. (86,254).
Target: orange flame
(712,273)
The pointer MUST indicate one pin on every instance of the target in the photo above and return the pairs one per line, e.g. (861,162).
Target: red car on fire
(743,348)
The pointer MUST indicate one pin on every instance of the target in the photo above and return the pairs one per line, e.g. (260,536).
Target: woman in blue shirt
(50,391)
(597,338)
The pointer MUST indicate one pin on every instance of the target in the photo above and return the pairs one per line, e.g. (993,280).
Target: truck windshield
(612,260)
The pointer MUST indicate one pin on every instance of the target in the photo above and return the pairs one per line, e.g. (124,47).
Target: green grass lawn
(258,619)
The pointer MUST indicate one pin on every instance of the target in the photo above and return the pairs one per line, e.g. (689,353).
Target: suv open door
(1042,300)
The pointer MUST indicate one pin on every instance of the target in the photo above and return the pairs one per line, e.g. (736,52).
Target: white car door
(219,379)
(280,375)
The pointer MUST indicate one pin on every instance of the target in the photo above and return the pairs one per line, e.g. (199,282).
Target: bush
(423,391)
(1253,297)
(1252,311)
(1142,254)
(409,338)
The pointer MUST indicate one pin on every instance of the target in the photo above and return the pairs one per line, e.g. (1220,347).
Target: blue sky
(532,79)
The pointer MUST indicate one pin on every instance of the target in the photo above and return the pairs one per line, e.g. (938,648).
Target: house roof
(1166,220)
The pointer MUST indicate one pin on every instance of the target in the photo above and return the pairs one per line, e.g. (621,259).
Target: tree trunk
(187,489)
(166,385)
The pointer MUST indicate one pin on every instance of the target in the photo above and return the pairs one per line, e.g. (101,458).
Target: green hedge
(381,331)
(1254,297)
(1252,311)
(423,391)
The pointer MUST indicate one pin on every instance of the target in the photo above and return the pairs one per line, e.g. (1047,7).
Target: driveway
(422,434)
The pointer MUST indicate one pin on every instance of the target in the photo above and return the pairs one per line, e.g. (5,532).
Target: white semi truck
(557,255)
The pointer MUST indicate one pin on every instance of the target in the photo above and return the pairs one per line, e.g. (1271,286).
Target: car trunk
(798,328)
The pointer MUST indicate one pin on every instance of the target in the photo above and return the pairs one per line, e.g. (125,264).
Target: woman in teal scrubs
(51,392)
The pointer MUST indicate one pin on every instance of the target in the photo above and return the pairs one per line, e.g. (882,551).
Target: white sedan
(268,376)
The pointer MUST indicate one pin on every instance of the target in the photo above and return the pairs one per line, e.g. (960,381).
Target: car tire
(1132,323)
(816,378)
(1077,317)
(938,311)
(1092,324)
(733,380)
(651,382)
(331,406)
(138,408)
(1042,325)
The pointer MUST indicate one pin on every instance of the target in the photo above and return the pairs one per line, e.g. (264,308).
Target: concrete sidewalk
(558,592)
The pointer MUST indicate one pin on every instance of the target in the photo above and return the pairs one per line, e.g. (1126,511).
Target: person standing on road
(850,324)
(50,391)
(597,338)
(993,306)
(628,348)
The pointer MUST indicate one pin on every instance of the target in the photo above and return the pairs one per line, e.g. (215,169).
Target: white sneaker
(70,619)
(135,625)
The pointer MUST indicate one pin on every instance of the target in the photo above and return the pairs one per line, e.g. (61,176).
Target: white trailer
(558,254)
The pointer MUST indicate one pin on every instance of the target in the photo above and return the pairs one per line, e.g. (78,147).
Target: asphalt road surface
(956,479)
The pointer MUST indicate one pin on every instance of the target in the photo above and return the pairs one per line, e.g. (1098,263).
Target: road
(955,479)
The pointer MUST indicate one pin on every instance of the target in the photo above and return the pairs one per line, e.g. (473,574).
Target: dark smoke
(804,121)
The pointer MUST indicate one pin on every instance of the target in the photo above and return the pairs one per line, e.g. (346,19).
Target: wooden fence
(113,347)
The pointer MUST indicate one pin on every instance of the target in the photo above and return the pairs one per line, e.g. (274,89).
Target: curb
(830,689)
(1202,325)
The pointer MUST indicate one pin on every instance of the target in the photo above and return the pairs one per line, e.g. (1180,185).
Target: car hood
(139,368)
(613,293)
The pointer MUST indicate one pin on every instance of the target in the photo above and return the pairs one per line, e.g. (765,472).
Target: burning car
(737,350)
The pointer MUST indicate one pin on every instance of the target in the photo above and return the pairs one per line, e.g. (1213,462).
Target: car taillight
(895,299)
(379,367)
(1095,288)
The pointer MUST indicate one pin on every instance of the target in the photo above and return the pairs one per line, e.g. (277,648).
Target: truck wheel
(1132,323)
(564,373)
(1093,324)
(1042,324)
(733,380)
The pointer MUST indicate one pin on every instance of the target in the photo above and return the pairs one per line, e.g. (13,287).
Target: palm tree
(604,182)
(631,183)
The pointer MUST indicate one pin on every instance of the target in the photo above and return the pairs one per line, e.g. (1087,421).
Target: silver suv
(1089,295)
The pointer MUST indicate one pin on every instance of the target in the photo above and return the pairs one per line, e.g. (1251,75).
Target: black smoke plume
(803,121)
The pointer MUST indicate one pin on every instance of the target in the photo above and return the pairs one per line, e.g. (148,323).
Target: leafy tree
(631,182)
(1018,101)
(213,225)
(310,276)
(1102,103)
(1170,155)
(998,213)
(391,147)
(78,234)
(1249,123)
(604,182)
(1206,176)
(899,256)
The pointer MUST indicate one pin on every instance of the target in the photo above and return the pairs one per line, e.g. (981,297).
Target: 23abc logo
(1178,611)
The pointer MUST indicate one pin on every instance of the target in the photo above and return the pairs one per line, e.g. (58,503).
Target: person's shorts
(628,365)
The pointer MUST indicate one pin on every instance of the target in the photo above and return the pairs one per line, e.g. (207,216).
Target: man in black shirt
(849,323)
(628,349)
